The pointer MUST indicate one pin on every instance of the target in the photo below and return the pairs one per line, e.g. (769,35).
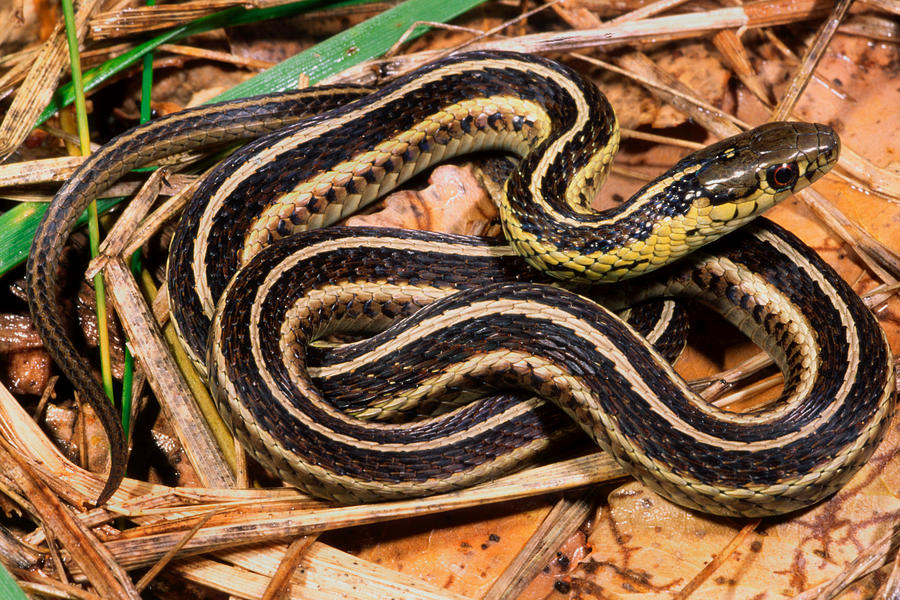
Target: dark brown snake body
(235,248)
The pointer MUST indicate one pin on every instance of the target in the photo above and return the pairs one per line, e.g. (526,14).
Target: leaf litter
(636,544)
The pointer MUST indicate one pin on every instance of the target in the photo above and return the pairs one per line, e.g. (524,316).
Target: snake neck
(547,215)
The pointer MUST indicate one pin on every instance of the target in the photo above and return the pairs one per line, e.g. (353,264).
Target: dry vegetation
(680,73)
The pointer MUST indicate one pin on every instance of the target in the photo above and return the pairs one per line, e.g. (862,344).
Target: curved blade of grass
(136,266)
(9,589)
(17,227)
(362,42)
(230,17)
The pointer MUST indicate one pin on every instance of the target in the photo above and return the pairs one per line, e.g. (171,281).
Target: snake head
(748,173)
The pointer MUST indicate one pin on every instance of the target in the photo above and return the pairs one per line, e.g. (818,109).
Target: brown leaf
(454,202)
(26,371)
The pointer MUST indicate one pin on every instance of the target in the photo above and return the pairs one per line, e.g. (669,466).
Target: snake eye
(783,176)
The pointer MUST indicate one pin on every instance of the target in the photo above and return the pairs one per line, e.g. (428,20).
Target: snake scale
(457,317)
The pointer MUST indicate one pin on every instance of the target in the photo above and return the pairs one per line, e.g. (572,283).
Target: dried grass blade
(129,220)
(575,14)
(659,28)
(165,378)
(12,78)
(644,71)
(217,55)
(564,519)
(141,550)
(663,83)
(18,429)
(717,561)
(39,84)
(167,211)
(25,55)
(54,552)
(16,553)
(45,170)
(881,181)
(715,385)
(732,49)
(168,556)
(659,139)
(883,29)
(883,261)
(890,589)
(768,13)
(197,385)
(810,61)
(279,586)
(890,6)
(648,10)
(69,138)
(326,572)
(41,585)
(871,559)
(98,565)
(233,581)
(765,13)
(20,62)
(130,21)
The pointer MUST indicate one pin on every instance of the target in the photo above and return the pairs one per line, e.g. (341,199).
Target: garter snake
(237,234)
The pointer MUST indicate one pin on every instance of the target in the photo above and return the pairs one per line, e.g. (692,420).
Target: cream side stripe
(359,242)
(320,474)
(550,156)
(328,245)
(268,155)
(668,308)
(847,322)
(583,330)
(313,425)
(363,290)
(754,285)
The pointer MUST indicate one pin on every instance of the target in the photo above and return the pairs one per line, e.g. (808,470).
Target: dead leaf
(454,202)
(26,371)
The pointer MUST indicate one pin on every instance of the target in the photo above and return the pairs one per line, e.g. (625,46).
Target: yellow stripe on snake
(244,278)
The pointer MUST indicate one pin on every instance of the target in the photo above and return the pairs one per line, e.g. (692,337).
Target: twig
(165,378)
(810,61)
(717,561)
(216,55)
(564,519)
(39,85)
(280,584)
(168,556)
(87,552)
(129,220)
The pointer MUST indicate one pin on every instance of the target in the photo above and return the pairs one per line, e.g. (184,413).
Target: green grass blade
(9,589)
(362,42)
(230,17)
(17,227)
(93,218)
(128,368)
